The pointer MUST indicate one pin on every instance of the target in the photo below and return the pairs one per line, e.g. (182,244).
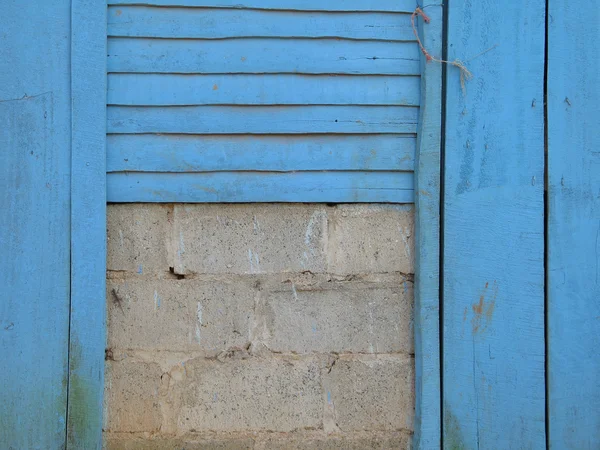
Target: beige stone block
(249,239)
(371,393)
(371,239)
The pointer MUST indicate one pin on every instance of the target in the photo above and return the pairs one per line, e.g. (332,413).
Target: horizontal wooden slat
(185,153)
(169,89)
(335,187)
(293,5)
(262,56)
(141,21)
(262,119)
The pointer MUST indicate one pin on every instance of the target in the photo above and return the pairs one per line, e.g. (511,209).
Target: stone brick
(132,396)
(138,235)
(210,443)
(371,393)
(373,441)
(371,238)
(340,317)
(250,395)
(179,315)
(269,441)
(246,239)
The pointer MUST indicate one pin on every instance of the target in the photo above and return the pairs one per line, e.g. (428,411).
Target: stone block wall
(259,326)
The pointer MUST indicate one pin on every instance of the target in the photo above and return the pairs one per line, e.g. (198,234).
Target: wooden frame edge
(87,333)
(427,230)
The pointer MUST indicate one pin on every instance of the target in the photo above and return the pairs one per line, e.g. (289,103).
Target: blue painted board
(493,280)
(141,21)
(262,119)
(88,225)
(227,187)
(427,246)
(573,225)
(256,55)
(193,153)
(35,136)
(175,90)
(295,5)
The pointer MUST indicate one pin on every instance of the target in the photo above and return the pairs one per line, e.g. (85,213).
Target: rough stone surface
(142,443)
(137,237)
(243,393)
(388,441)
(339,317)
(259,326)
(270,441)
(179,315)
(372,393)
(246,239)
(132,396)
(373,238)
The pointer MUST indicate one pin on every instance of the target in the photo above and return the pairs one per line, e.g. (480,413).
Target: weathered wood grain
(493,299)
(427,246)
(225,187)
(177,90)
(185,153)
(141,21)
(88,224)
(573,224)
(35,142)
(254,55)
(262,119)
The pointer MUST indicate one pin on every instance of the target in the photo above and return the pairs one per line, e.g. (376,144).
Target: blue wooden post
(573,224)
(88,224)
(35,167)
(427,228)
(493,222)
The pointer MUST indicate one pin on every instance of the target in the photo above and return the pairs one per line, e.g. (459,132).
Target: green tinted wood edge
(88,221)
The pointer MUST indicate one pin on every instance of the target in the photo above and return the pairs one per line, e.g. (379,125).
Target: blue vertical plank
(34,222)
(88,219)
(427,262)
(573,224)
(493,318)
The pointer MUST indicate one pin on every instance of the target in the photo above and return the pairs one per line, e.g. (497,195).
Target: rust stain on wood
(483,310)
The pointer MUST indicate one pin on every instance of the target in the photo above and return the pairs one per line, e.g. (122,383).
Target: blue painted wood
(306,5)
(88,224)
(256,55)
(35,138)
(573,224)
(334,187)
(493,318)
(262,119)
(185,153)
(140,21)
(427,229)
(251,90)
(163,89)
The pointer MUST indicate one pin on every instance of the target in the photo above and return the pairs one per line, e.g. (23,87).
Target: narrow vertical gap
(442,212)
(546,217)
